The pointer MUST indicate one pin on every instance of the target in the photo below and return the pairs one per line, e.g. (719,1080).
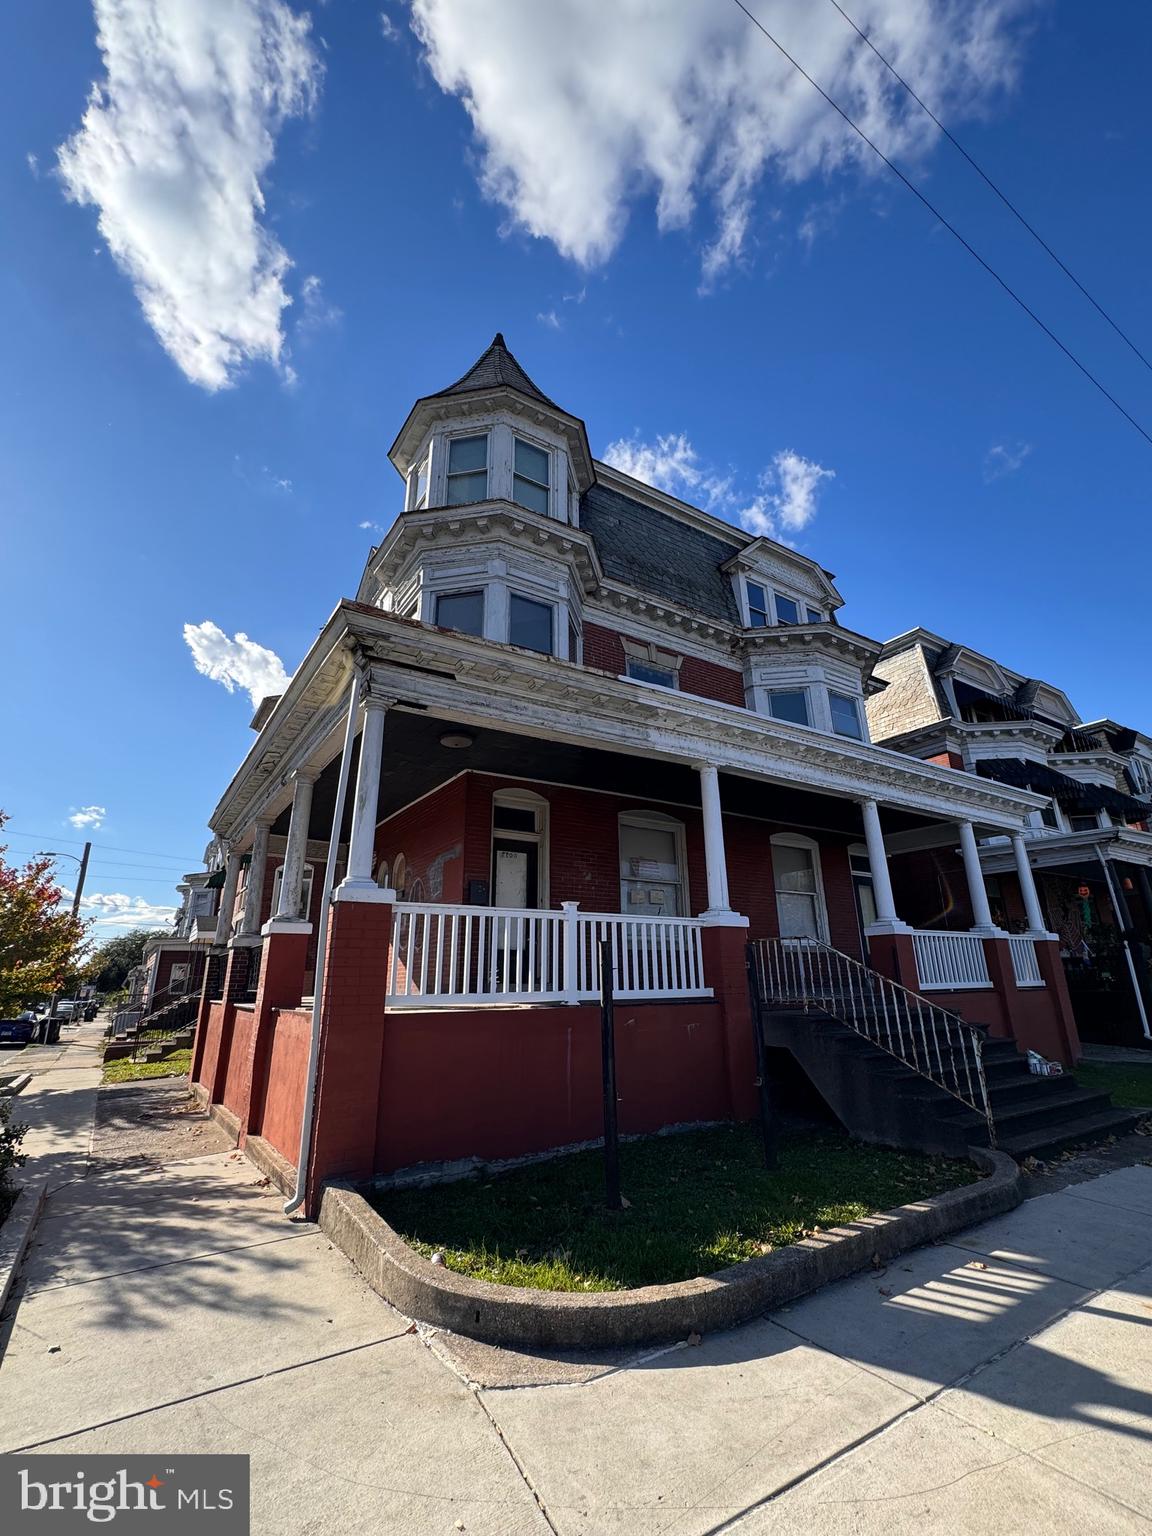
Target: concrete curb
(511,1315)
(18,1086)
(16,1232)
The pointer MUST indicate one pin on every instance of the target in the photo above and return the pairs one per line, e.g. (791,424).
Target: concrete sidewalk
(996,1383)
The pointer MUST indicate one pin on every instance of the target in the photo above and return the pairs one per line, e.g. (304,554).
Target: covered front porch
(486,820)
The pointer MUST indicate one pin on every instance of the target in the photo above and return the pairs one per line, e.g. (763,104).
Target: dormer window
(467,470)
(530,479)
(759,614)
(787,609)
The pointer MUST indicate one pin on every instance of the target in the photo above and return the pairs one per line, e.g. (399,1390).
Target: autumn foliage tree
(40,940)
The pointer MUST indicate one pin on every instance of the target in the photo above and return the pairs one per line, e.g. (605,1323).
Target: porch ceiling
(415,763)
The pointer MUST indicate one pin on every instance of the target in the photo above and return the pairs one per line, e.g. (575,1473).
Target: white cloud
(175,142)
(787,489)
(237,662)
(33,162)
(88,816)
(1004,459)
(550,318)
(581,109)
(317,311)
(388,28)
(114,909)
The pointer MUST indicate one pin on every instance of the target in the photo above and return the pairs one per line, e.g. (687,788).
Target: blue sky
(712,277)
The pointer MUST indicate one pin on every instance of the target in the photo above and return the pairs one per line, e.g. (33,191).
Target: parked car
(17,1031)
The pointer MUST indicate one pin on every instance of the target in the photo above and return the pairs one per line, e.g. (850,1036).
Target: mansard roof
(658,553)
(496,368)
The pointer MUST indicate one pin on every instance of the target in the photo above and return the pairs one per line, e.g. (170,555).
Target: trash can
(52,1031)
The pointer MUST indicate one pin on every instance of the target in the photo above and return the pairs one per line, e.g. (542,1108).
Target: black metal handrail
(932,1041)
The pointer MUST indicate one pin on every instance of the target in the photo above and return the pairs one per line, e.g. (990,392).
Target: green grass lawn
(1129,1085)
(175,1064)
(697,1202)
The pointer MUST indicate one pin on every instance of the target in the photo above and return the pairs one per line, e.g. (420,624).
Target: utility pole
(75,908)
(80,880)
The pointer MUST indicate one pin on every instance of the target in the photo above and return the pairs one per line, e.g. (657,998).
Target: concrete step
(1050,1109)
(1045,1141)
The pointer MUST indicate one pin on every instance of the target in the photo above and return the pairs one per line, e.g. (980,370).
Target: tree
(109,966)
(40,941)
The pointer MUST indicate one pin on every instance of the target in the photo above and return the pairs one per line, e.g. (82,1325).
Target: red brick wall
(603,648)
(426,834)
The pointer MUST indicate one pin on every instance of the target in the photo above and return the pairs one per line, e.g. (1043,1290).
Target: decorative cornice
(826,639)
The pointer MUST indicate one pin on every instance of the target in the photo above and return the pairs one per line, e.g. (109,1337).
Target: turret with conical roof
(517,443)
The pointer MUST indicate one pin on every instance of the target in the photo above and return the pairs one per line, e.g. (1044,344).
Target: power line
(950,227)
(53,837)
(1003,196)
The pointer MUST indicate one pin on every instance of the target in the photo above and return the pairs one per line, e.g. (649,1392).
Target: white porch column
(719,911)
(227,898)
(359,884)
(1036,922)
(886,918)
(292,880)
(977,891)
(254,890)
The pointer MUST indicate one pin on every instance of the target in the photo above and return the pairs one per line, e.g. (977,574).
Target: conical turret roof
(494,369)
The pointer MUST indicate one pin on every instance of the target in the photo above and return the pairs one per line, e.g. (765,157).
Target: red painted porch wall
(279,1119)
(210,1055)
(238,1081)
(496,1083)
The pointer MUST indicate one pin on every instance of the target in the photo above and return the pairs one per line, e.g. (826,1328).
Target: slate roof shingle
(659,554)
(496,369)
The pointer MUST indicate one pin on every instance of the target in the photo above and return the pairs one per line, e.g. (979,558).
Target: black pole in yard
(608,1065)
(768,1126)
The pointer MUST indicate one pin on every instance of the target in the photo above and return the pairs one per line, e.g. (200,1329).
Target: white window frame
(806,693)
(449,474)
(415,502)
(656,821)
(857,704)
(525,800)
(541,602)
(798,840)
(768,609)
(479,587)
(305,891)
(548,487)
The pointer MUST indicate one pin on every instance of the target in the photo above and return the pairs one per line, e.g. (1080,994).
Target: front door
(515,874)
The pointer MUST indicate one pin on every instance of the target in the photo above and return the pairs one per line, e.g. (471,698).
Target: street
(996,1382)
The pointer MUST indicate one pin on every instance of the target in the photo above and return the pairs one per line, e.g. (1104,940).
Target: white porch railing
(1024,961)
(950,962)
(467,956)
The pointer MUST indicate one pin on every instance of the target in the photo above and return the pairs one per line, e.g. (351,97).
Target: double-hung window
(845,715)
(467,470)
(530,623)
(787,609)
(814,616)
(759,614)
(530,477)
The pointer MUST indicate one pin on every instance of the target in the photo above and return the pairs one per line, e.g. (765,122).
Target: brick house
(1089,844)
(564,706)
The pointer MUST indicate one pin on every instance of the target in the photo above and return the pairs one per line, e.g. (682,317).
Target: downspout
(297,1197)
(1120,907)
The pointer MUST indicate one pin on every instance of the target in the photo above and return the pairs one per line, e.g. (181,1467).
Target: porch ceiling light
(457,739)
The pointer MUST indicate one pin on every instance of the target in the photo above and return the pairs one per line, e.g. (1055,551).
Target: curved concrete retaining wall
(502,1314)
